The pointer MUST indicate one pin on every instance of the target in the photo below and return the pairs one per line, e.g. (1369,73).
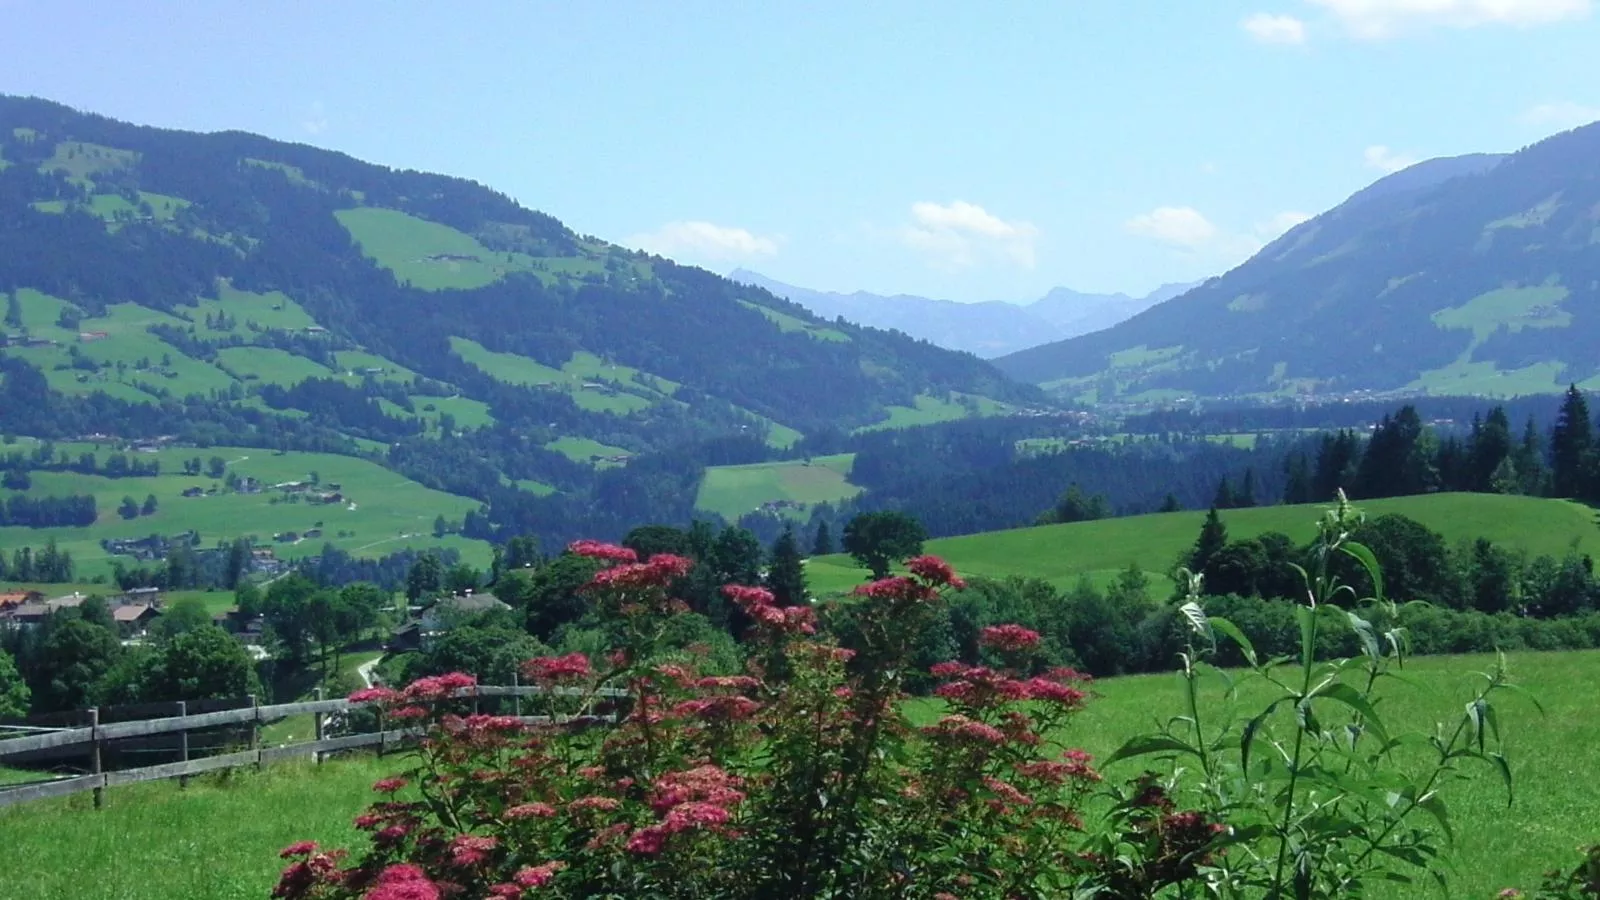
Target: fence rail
(97,735)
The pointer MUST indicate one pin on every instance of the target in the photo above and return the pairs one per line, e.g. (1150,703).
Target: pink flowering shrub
(802,777)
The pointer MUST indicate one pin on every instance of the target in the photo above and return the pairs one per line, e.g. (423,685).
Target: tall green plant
(1322,796)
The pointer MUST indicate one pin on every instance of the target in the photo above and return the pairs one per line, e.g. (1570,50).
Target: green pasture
(931,410)
(219,839)
(252,313)
(593,384)
(732,491)
(269,365)
(381,511)
(584,450)
(1061,553)
(426,254)
(788,323)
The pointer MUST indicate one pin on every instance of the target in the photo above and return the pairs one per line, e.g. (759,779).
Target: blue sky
(962,150)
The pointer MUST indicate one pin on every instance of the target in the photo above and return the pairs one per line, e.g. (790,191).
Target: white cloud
(1561,116)
(1180,226)
(316,121)
(705,242)
(1275,29)
(959,235)
(1385,160)
(1379,19)
(1280,224)
(1188,231)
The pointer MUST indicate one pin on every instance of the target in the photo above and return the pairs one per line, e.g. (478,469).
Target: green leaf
(1369,562)
(1146,744)
(1247,737)
(1364,632)
(1504,768)
(1198,622)
(1340,692)
(1305,717)
(1434,804)
(1475,717)
(1234,634)
(1308,633)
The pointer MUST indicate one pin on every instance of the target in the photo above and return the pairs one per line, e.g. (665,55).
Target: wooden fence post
(516,696)
(316,755)
(183,744)
(255,729)
(382,740)
(99,791)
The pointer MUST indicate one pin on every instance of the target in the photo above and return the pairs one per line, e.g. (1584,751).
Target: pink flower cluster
(602,550)
(698,799)
(469,850)
(1008,638)
(935,571)
(981,686)
(1072,766)
(557,669)
(539,876)
(438,687)
(662,570)
(897,588)
(966,729)
(403,882)
(760,605)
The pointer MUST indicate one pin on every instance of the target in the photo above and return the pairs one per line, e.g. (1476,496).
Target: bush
(804,778)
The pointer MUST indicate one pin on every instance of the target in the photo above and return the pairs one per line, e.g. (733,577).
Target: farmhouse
(442,616)
(133,618)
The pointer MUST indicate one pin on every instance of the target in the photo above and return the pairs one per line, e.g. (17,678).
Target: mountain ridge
(226,283)
(1463,275)
(988,329)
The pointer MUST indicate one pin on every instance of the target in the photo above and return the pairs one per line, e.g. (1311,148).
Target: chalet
(11,599)
(441,617)
(36,612)
(194,492)
(133,618)
(146,596)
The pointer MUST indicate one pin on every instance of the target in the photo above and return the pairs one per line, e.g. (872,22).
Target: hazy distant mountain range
(987,329)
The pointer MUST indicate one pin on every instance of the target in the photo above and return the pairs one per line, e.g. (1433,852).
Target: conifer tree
(786,574)
(822,545)
(1571,447)
(1213,537)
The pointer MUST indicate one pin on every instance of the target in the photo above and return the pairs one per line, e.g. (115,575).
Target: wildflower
(403,882)
(1009,638)
(548,669)
(584,804)
(438,687)
(531,811)
(300,848)
(686,816)
(602,550)
(728,682)
(409,713)
(471,850)
(897,587)
(1053,692)
(506,889)
(936,571)
(539,876)
(746,597)
(709,784)
(388,785)
(648,841)
(374,695)
(1007,791)
(967,729)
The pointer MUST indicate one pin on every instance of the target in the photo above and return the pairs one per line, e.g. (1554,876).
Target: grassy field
(732,491)
(585,450)
(592,383)
(436,257)
(219,839)
(930,410)
(788,323)
(381,511)
(1061,553)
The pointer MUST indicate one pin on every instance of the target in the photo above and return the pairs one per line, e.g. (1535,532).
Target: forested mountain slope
(230,287)
(1472,275)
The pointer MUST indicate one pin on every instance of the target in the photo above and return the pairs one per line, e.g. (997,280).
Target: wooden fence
(95,736)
